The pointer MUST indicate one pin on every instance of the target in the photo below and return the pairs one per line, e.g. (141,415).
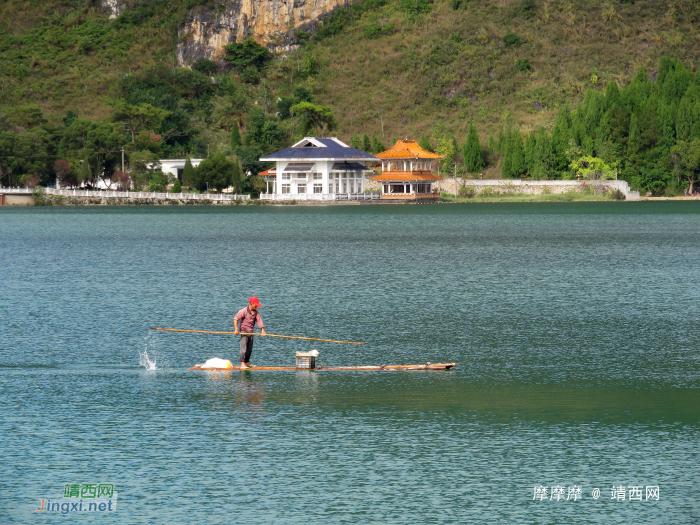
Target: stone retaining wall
(534,187)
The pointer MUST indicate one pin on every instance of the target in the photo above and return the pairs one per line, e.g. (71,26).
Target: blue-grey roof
(332,151)
(349,166)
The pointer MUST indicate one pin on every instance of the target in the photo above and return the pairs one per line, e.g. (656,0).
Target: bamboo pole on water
(247,333)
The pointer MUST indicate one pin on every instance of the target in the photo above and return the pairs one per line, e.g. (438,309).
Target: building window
(318,176)
(286,176)
(301,188)
(300,176)
(286,188)
(318,188)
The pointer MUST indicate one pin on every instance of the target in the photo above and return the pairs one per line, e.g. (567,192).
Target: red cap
(254,300)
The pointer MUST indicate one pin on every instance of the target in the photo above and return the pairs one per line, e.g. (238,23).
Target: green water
(574,327)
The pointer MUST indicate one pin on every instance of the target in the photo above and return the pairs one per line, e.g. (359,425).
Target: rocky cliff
(270,22)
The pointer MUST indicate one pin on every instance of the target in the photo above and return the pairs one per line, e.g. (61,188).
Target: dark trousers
(246,348)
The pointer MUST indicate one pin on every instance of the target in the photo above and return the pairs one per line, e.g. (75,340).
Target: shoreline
(18,201)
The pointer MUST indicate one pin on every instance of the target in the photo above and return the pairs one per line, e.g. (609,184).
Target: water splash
(146,362)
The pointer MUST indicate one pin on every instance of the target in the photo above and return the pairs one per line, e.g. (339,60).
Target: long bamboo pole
(247,333)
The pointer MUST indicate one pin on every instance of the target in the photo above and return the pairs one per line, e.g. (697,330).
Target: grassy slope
(408,76)
(449,65)
(67,54)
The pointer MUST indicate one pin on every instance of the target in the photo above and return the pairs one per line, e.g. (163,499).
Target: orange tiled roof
(268,173)
(407,149)
(406,176)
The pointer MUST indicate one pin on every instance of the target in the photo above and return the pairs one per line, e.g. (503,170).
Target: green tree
(283,105)
(446,148)
(684,119)
(506,149)
(205,66)
(247,54)
(355,141)
(592,168)
(366,144)
(377,146)
(101,140)
(686,156)
(177,187)
(529,153)
(314,116)
(302,94)
(263,131)
(235,136)
(188,174)
(544,159)
(473,156)
(219,172)
(424,143)
(518,164)
(24,155)
(137,117)
(84,173)
(142,173)
(309,65)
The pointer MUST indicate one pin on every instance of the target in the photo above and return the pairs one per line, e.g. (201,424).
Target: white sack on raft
(216,362)
(312,353)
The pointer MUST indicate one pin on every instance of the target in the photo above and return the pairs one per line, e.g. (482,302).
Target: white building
(175,167)
(317,169)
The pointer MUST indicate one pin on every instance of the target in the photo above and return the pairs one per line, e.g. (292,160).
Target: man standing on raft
(248,318)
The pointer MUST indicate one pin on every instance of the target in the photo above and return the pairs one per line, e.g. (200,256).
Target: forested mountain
(551,88)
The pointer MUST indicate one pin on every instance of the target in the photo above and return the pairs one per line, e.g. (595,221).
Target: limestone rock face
(113,7)
(270,22)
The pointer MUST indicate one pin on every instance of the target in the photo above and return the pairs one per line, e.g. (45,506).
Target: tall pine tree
(507,166)
(235,136)
(425,143)
(366,144)
(517,163)
(529,152)
(544,158)
(473,156)
(188,174)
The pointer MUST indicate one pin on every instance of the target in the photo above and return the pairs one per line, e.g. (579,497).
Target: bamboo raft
(426,366)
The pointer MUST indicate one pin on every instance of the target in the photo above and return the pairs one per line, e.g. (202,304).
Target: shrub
(456,4)
(511,40)
(246,55)
(527,9)
(414,8)
(205,66)
(467,192)
(301,36)
(177,187)
(617,195)
(39,196)
(523,64)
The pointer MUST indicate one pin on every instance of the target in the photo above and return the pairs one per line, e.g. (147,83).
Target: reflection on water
(575,342)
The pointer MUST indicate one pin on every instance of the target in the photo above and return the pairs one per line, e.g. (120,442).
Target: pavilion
(407,172)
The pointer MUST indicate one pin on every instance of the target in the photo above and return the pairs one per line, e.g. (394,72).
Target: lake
(574,326)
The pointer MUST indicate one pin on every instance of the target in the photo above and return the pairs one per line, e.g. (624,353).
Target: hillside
(387,68)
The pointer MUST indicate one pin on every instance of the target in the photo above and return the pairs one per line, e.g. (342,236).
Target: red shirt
(248,319)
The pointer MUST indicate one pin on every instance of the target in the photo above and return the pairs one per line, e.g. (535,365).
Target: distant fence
(132,195)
